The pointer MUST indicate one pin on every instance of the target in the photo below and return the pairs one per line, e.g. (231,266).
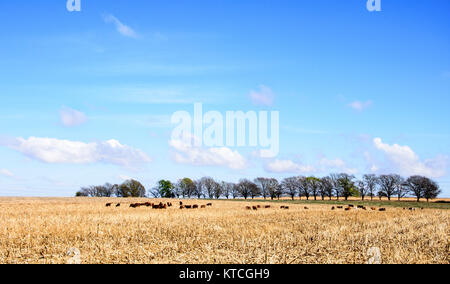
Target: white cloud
(288,166)
(263,97)
(360,106)
(71,117)
(185,152)
(120,27)
(55,151)
(337,165)
(6,173)
(406,162)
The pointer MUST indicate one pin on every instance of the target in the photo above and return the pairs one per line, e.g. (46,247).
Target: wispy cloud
(360,106)
(262,97)
(6,173)
(288,166)
(406,162)
(71,117)
(120,27)
(55,151)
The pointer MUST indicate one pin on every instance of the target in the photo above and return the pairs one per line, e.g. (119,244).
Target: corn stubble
(43,231)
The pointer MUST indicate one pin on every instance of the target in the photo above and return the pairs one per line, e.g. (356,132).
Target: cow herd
(351,207)
(161,205)
(166,205)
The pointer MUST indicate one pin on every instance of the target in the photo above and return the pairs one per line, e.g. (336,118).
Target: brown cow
(255,208)
(373,208)
(108,204)
(248,208)
(286,207)
(181,203)
(382,209)
(188,206)
(282,207)
(348,209)
(203,206)
(181,207)
(332,208)
(351,206)
(118,205)
(267,206)
(209,204)
(340,207)
(306,208)
(195,206)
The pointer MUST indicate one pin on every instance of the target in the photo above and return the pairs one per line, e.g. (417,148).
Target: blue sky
(86,97)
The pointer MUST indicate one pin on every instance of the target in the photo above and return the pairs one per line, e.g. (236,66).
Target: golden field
(42,230)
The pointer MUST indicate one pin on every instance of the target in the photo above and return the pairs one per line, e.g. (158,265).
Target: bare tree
(422,187)
(303,187)
(402,189)
(208,185)
(290,186)
(431,189)
(198,189)
(362,189)
(263,184)
(227,189)
(336,185)
(217,190)
(327,187)
(370,183)
(272,188)
(235,191)
(245,188)
(388,185)
(313,184)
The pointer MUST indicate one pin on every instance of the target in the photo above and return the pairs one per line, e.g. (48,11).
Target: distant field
(42,230)
(403,203)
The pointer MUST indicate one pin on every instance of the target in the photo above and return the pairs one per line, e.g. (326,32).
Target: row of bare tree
(332,186)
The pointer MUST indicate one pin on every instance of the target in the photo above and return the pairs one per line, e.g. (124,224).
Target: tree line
(311,188)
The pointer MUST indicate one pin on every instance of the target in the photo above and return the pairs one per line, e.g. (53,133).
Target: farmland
(42,230)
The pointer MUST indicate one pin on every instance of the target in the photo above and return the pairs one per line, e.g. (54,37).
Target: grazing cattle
(360,206)
(248,208)
(412,209)
(267,206)
(282,207)
(340,207)
(181,207)
(169,204)
(255,208)
(373,208)
(195,207)
(108,204)
(286,207)
(351,206)
(203,206)
(332,208)
(209,204)
(382,209)
(364,208)
(348,208)
(258,206)
(133,205)
(188,206)
(306,208)
(181,203)
(118,205)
